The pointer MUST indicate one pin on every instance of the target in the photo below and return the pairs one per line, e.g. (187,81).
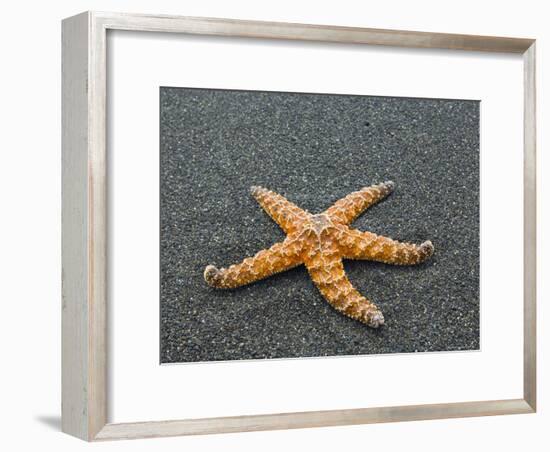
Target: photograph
(302,225)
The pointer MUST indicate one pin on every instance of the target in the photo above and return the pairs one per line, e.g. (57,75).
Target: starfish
(321,242)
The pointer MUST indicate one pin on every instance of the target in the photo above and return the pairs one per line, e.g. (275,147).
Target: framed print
(268,225)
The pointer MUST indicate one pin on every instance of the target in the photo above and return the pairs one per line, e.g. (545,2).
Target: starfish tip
(428,247)
(390,185)
(210,273)
(376,320)
(255,189)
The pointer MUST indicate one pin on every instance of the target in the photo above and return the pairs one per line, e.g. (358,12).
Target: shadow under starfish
(321,242)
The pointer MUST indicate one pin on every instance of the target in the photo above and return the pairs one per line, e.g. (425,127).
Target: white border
(140,389)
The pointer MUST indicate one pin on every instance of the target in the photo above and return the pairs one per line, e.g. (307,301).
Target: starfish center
(320,222)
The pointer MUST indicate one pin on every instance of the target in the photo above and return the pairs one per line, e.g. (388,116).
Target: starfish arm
(286,214)
(327,272)
(280,257)
(369,246)
(347,209)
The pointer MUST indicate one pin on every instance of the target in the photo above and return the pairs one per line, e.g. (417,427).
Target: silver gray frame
(84,321)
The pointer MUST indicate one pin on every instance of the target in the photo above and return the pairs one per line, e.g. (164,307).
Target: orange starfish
(321,242)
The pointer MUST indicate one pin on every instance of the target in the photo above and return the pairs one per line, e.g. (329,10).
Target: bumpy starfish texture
(321,242)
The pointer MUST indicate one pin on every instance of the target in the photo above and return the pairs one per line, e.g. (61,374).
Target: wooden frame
(84,389)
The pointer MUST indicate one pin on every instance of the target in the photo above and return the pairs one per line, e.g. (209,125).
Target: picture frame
(84,222)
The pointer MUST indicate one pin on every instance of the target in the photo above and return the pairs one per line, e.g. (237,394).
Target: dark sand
(314,149)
